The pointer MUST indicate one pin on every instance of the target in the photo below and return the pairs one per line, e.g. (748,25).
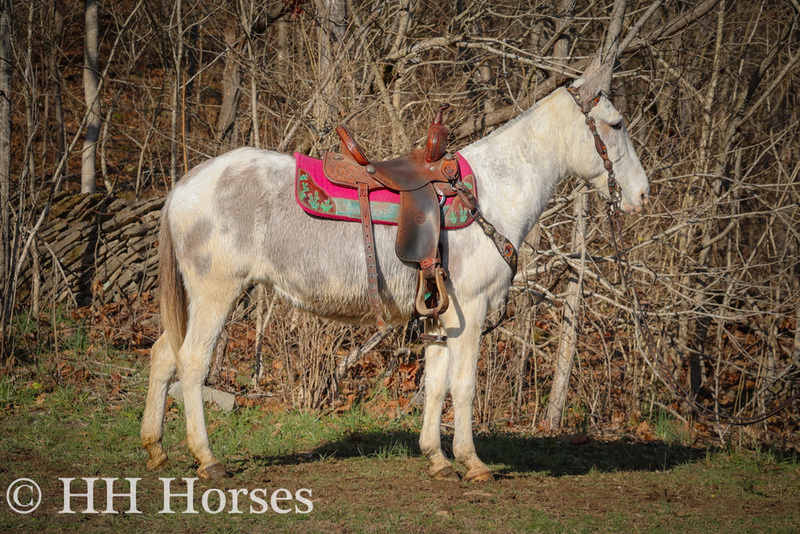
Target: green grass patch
(365,472)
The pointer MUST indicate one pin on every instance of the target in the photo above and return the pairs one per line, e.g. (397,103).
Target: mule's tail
(172,292)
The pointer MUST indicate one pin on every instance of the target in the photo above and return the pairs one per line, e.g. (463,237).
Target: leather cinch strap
(369,250)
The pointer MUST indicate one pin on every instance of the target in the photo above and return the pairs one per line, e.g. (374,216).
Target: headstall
(614,196)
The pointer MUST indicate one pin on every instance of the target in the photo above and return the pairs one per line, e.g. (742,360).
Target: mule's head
(582,149)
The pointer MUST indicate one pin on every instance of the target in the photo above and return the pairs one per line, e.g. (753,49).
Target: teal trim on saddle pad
(389,213)
(382,212)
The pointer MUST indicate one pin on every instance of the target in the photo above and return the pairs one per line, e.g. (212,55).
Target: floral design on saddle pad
(319,197)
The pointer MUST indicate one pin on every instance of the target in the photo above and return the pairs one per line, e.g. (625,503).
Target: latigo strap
(369,251)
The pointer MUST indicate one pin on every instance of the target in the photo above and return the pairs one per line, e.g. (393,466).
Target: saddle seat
(409,172)
(423,178)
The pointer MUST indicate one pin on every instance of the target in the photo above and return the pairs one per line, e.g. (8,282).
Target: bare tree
(570,324)
(6,15)
(570,321)
(333,25)
(177,36)
(91,80)
(54,43)
(566,10)
(231,85)
(565,354)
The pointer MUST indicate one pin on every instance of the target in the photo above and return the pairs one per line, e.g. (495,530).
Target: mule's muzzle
(641,200)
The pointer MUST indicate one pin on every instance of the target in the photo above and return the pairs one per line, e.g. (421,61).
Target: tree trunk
(5,167)
(55,85)
(231,91)
(612,40)
(31,94)
(565,14)
(403,22)
(333,22)
(177,67)
(248,21)
(569,322)
(91,81)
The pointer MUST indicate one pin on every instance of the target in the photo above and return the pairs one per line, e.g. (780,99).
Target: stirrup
(441,294)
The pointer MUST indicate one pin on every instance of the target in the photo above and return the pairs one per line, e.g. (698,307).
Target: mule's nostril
(644,199)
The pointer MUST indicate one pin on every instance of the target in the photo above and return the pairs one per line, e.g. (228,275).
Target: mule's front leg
(464,349)
(436,365)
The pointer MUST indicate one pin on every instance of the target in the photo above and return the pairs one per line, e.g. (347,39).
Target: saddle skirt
(321,198)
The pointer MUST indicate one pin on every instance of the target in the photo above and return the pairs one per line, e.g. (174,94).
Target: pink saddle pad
(321,198)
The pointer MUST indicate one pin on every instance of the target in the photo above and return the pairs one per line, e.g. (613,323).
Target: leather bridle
(655,360)
(614,195)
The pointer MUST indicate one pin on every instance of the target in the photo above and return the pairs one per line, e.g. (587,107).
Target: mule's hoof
(154,464)
(481,474)
(445,473)
(211,472)
(158,458)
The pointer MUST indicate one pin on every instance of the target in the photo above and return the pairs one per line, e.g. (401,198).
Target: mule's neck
(519,166)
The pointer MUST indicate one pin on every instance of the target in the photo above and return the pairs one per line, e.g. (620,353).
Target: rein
(652,354)
(506,249)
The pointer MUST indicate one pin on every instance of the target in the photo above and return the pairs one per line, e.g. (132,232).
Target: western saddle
(423,178)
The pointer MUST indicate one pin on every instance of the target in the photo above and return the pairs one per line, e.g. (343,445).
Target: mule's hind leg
(207,315)
(464,348)
(436,365)
(162,369)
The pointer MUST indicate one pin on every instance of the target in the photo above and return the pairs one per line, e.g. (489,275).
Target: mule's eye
(617,125)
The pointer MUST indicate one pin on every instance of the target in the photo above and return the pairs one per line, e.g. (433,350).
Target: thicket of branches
(709,90)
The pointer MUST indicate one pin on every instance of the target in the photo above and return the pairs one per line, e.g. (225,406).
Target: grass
(667,428)
(366,475)
(363,469)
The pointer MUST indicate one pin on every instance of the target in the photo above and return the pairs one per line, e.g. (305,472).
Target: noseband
(614,196)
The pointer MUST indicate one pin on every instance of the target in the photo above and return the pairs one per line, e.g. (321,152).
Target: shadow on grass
(510,453)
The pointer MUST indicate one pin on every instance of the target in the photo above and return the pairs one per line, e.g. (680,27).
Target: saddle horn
(437,137)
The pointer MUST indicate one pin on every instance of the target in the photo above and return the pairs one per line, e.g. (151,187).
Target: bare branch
(672,27)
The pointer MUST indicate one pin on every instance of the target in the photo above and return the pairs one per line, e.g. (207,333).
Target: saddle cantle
(423,178)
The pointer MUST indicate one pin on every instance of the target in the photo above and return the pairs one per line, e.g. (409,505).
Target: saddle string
(656,359)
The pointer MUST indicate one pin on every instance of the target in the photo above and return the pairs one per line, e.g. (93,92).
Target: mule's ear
(596,76)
